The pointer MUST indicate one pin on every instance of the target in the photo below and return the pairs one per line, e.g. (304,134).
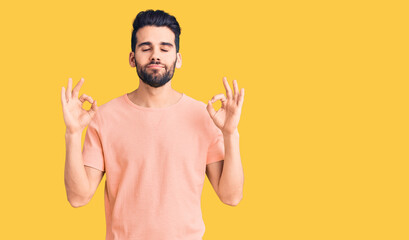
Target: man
(154,144)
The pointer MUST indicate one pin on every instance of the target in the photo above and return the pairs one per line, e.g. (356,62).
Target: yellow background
(324,129)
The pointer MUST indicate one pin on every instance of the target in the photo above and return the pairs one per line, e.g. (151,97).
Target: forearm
(75,176)
(232,178)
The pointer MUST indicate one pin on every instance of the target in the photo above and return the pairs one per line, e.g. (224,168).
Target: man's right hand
(75,117)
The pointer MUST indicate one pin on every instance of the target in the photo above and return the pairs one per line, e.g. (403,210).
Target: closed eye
(144,50)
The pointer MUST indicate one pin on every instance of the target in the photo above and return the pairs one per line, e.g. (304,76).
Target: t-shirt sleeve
(92,153)
(216,148)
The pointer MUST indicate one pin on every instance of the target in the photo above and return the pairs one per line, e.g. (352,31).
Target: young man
(154,144)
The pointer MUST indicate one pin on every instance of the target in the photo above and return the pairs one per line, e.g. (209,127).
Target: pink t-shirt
(155,164)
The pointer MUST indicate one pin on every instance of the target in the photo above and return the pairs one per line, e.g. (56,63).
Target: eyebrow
(150,44)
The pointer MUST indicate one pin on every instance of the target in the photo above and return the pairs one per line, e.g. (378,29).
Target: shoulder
(197,110)
(204,122)
(195,105)
(111,107)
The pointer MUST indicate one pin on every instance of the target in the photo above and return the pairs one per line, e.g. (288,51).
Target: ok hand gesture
(228,116)
(75,117)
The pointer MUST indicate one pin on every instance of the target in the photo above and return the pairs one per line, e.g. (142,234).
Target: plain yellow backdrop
(324,128)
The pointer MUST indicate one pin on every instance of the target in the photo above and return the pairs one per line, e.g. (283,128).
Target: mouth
(154,66)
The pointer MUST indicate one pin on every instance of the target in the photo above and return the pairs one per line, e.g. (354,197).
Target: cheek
(140,61)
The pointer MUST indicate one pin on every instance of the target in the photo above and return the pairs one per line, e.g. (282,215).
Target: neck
(150,97)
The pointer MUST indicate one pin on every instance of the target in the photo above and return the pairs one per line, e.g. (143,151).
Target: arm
(81,181)
(227,176)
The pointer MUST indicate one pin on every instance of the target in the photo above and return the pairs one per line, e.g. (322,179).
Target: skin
(226,176)
(165,55)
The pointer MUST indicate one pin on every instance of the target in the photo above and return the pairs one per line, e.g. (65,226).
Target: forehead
(155,35)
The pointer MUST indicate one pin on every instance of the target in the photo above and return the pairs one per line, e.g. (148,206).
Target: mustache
(155,63)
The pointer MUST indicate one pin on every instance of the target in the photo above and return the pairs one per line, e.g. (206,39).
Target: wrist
(234,133)
(69,134)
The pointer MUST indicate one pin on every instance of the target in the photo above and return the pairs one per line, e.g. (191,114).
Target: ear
(178,60)
(132,59)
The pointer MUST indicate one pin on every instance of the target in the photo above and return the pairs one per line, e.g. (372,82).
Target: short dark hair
(157,18)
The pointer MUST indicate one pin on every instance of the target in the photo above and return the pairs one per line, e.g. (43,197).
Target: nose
(155,55)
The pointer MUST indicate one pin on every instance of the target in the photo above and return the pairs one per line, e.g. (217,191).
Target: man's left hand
(228,116)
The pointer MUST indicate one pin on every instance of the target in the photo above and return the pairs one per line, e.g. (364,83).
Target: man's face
(155,55)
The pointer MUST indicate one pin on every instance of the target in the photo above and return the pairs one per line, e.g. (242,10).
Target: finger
(220,97)
(227,87)
(210,109)
(63,98)
(77,88)
(241,98)
(85,97)
(93,109)
(68,92)
(236,91)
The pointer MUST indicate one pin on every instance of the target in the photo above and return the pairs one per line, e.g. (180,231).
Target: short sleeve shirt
(155,165)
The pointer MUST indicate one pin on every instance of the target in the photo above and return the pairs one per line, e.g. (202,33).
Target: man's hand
(228,116)
(75,117)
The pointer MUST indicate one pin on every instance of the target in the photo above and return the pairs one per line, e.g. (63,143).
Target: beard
(154,79)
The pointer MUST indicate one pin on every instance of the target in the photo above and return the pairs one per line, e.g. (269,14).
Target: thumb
(210,109)
(93,109)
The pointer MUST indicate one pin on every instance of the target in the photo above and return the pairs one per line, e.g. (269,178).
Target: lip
(155,66)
